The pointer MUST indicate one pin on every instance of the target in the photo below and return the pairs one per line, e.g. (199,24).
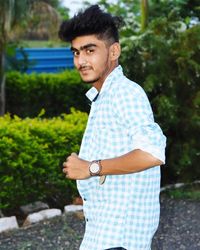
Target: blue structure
(49,60)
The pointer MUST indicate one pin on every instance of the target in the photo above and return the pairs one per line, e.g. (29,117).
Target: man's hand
(76,168)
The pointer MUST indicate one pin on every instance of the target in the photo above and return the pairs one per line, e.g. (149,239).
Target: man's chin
(90,81)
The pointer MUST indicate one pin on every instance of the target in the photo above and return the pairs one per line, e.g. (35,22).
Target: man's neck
(98,85)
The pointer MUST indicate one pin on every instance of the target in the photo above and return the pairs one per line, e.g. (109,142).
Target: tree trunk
(144,14)
(2,84)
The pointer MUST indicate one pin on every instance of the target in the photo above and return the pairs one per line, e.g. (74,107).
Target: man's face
(91,58)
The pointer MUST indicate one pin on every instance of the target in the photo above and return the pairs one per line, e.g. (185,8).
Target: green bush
(31,155)
(27,94)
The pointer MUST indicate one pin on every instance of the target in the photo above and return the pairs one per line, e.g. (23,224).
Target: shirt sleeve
(134,111)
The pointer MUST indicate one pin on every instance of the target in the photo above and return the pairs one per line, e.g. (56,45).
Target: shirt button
(87,220)
(84,199)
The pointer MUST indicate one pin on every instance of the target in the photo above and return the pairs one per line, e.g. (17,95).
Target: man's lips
(84,69)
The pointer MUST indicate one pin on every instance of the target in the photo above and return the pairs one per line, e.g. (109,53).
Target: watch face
(94,168)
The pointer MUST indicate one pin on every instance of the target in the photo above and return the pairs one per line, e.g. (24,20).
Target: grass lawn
(189,191)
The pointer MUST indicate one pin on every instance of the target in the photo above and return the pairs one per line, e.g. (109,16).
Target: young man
(117,170)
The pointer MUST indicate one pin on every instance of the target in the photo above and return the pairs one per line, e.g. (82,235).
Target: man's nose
(82,59)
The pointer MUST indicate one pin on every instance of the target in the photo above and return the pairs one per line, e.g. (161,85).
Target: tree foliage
(53,3)
(185,8)
(43,22)
(11,13)
(14,13)
(57,4)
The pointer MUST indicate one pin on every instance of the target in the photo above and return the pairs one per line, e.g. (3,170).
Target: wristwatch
(95,168)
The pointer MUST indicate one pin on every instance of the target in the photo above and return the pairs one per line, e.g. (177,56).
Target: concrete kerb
(10,223)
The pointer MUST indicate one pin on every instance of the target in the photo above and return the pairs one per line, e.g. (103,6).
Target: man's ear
(115,51)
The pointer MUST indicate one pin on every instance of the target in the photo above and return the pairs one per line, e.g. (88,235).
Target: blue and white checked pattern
(124,211)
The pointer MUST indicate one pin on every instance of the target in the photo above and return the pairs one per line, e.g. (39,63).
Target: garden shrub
(56,93)
(31,155)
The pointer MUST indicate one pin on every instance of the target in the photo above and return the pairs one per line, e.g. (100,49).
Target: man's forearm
(134,161)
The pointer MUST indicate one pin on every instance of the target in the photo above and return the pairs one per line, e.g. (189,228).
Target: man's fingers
(64,170)
(69,164)
(74,154)
(64,164)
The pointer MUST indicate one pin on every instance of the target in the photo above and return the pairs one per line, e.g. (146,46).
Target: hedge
(31,155)
(56,93)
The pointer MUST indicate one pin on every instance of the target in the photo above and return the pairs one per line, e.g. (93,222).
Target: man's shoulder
(126,86)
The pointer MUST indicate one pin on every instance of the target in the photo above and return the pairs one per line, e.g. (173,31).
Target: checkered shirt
(124,211)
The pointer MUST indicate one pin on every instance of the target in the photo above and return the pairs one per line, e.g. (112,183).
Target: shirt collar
(93,93)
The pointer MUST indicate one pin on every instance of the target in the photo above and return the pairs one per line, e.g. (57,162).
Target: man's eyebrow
(84,47)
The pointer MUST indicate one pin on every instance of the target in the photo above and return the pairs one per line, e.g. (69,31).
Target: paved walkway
(179,229)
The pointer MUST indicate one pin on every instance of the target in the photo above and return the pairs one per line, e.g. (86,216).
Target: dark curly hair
(93,21)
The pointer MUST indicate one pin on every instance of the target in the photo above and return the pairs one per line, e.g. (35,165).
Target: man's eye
(89,51)
(76,53)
